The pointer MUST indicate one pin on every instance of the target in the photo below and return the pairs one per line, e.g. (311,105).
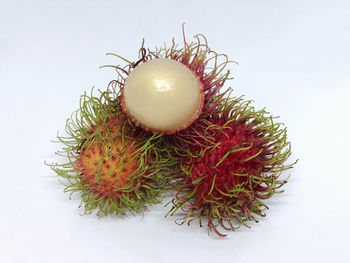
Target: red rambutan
(229,179)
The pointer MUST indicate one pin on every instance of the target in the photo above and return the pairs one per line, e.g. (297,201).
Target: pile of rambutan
(165,125)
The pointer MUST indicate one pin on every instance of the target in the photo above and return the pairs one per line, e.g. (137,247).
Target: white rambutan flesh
(163,95)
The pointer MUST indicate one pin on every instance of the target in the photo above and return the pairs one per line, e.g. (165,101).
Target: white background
(294,59)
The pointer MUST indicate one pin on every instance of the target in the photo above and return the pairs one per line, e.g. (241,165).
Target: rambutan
(229,179)
(163,123)
(172,91)
(113,164)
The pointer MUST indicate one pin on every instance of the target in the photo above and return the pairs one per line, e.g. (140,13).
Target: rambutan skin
(108,165)
(229,179)
(230,160)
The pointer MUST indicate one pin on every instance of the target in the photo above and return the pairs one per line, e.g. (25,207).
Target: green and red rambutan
(227,181)
(115,166)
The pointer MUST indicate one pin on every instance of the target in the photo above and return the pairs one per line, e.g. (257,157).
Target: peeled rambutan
(172,91)
(152,92)
(113,164)
(228,180)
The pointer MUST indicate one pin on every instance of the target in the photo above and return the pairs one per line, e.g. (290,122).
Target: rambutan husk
(209,67)
(114,165)
(225,182)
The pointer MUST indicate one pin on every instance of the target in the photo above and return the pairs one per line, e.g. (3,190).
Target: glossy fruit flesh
(163,95)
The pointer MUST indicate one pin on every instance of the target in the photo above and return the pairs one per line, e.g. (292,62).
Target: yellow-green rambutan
(114,165)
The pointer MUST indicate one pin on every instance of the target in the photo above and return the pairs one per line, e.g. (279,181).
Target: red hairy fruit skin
(227,164)
(229,179)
